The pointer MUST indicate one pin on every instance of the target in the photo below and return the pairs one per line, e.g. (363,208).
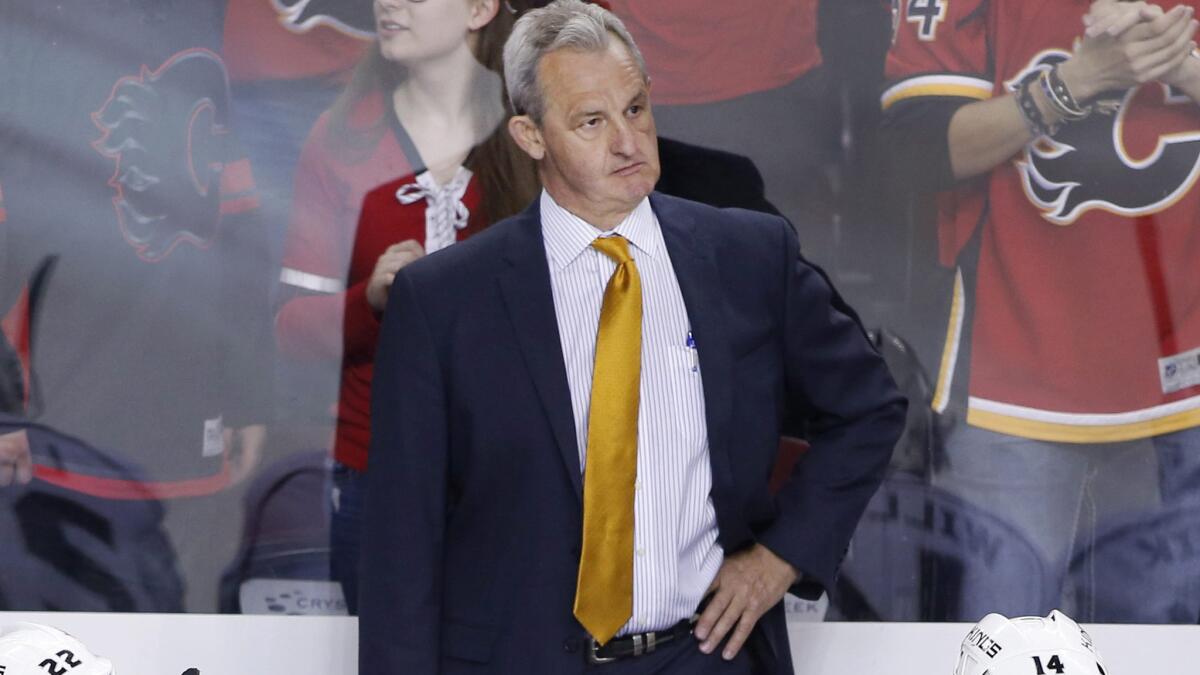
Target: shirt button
(637,485)
(641,552)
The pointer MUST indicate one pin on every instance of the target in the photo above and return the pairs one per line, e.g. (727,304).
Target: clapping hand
(1129,43)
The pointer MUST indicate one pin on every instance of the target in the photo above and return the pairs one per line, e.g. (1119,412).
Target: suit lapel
(528,297)
(695,268)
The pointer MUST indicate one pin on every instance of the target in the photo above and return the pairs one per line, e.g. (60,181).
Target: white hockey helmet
(1028,645)
(34,649)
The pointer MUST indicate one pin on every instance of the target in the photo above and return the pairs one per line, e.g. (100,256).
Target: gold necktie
(604,595)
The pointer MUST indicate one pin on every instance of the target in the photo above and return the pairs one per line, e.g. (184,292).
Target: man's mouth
(629,169)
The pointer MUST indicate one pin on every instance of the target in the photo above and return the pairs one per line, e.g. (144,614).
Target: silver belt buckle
(592,657)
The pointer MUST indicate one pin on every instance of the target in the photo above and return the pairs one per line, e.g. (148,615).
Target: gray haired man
(576,412)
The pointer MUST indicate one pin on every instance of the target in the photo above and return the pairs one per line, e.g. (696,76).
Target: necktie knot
(615,247)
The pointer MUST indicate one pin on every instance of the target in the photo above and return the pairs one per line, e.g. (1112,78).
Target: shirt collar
(568,235)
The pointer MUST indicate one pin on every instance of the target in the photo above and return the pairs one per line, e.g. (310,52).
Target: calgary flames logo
(353,17)
(167,131)
(1092,164)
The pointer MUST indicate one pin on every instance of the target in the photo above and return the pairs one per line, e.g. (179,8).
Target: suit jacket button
(571,645)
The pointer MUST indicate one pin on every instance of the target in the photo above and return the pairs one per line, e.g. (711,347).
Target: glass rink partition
(197,199)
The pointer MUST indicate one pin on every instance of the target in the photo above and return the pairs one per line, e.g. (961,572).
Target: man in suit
(576,412)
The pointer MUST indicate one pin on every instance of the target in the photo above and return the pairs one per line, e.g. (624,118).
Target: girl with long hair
(412,157)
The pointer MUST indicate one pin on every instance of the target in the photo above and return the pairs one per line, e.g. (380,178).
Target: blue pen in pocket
(691,345)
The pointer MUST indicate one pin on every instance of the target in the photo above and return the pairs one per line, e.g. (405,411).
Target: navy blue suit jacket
(473,522)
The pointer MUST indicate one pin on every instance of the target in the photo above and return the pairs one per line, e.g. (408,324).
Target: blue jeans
(1063,498)
(348,493)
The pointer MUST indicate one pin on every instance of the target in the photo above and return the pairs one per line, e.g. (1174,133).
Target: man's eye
(635,109)
(591,122)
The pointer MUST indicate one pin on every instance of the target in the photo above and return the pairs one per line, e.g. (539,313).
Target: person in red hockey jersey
(1063,139)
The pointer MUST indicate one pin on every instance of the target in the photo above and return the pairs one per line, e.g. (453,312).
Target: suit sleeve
(839,385)
(404,524)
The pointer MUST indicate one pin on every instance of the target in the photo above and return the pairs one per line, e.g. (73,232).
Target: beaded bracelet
(1030,111)
(1059,106)
(1060,97)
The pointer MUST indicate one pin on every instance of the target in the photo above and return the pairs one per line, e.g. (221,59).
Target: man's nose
(624,140)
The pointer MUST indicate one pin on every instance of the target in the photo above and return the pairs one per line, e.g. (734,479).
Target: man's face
(600,151)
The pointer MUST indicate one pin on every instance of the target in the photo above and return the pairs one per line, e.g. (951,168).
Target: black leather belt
(637,645)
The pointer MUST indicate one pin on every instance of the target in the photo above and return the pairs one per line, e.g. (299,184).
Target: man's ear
(526,134)
(482,13)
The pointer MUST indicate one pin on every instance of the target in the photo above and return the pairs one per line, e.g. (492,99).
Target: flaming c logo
(167,131)
(1087,164)
(353,17)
